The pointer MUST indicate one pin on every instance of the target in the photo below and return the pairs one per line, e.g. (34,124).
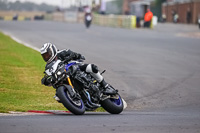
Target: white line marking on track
(20,41)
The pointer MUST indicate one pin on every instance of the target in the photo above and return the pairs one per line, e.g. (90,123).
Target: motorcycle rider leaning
(50,53)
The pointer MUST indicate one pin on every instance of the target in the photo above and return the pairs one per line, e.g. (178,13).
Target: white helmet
(48,52)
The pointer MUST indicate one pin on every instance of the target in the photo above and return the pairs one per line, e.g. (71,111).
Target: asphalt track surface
(127,122)
(156,71)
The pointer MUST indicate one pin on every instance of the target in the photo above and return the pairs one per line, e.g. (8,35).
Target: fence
(115,21)
(22,15)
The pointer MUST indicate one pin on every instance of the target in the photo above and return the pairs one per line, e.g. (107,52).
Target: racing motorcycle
(199,22)
(78,91)
(88,20)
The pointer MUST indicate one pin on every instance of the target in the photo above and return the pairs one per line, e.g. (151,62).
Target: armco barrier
(22,15)
(10,18)
(115,20)
(21,18)
(123,21)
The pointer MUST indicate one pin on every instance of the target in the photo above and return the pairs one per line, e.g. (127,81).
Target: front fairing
(52,67)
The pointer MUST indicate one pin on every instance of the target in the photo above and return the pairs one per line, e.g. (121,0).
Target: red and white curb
(35,112)
(49,112)
(20,41)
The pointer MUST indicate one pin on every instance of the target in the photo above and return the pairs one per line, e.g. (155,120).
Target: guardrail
(19,18)
(19,15)
(123,21)
(115,21)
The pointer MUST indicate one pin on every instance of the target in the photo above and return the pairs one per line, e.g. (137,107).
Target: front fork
(69,81)
(71,90)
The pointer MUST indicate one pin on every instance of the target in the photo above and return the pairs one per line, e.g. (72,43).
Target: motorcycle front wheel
(76,107)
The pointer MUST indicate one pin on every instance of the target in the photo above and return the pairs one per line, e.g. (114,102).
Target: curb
(37,111)
(20,41)
(49,112)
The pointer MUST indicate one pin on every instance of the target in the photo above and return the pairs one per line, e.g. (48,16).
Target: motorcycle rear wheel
(112,105)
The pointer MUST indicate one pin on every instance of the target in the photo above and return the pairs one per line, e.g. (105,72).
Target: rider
(50,53)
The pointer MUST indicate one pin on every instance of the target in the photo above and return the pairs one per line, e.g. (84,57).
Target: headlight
(59,73)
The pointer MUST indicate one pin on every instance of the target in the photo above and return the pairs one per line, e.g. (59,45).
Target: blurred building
(112,8)
(188,11)
(136,7)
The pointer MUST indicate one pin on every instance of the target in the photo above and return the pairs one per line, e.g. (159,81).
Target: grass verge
(21,70)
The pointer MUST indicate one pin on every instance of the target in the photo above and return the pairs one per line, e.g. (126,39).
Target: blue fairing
(68,65)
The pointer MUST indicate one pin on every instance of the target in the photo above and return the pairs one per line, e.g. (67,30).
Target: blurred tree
(3,4)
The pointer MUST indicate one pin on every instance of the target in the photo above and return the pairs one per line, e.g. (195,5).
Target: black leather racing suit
(70,55)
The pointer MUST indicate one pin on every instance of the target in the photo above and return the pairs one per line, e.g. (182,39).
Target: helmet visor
(46,56)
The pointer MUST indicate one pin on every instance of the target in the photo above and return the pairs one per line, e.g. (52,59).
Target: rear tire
(113,106)
(76,107)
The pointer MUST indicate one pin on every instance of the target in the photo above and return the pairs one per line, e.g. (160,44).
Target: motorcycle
(88,20)
(78,91)
(199,22)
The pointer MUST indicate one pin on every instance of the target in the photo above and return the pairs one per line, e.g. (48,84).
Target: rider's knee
(94,68)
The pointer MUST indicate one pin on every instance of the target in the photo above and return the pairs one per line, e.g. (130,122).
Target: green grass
(21,70)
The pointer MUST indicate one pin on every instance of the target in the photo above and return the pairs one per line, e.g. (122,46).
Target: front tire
(113,105)
(76,107)
(87,23)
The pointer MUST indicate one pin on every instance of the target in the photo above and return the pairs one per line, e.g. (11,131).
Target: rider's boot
(107,89)
(57,98)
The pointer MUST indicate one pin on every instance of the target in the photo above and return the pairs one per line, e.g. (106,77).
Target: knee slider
(95,68)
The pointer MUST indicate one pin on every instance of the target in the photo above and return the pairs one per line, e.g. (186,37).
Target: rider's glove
(82,57)
(77,56)
(72,56)
(43,80)
(46,80)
